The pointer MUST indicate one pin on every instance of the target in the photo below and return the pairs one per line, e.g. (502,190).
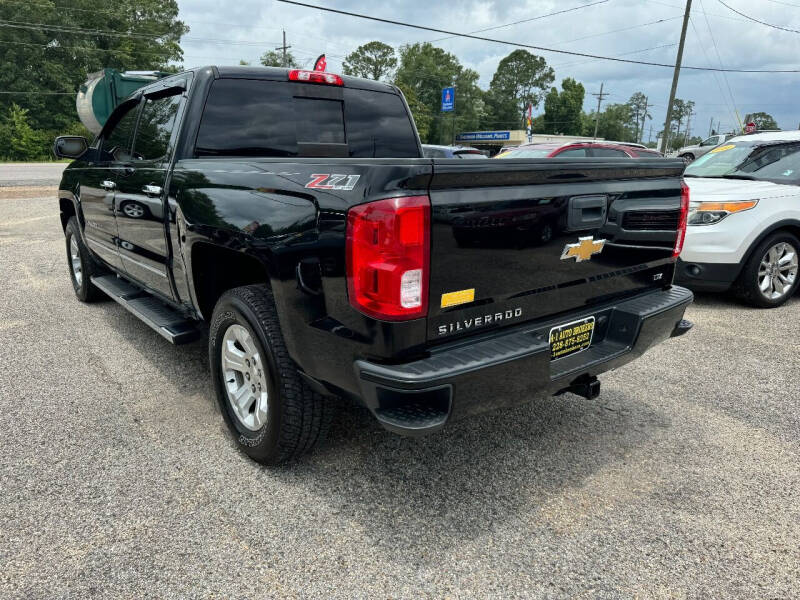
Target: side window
(608,153)
(572,153)
(712,141)
(155,128)
(117,142)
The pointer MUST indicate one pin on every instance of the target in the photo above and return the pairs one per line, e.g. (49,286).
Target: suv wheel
(770,276)
(81,265)
(268,407)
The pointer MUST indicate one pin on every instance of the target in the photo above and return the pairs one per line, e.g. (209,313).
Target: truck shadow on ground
(412,495)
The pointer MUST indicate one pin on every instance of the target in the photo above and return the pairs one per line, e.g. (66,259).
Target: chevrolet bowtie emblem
(583,249)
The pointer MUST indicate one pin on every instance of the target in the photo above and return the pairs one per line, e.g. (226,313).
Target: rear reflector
(315,77)
(388,257)
(684,214)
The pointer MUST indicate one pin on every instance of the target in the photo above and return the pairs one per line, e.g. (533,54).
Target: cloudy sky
(225,32)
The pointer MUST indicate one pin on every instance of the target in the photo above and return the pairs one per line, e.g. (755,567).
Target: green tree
(421,113)
(374,60)
(274,58)
(614,124)
(682,111)
(424,70)
(18,140)
(639,114)
(562,111)
(47,62)
(521,79)
(762,120)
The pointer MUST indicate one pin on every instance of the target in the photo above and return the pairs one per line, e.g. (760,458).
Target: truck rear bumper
(512,366)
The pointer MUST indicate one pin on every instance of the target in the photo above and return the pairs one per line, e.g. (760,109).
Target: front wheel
(81,264)
(687,158)
(769,277)
(268,407)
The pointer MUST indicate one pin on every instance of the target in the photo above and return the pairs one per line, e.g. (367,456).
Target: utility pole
(644,118)
(284,48)
(599,97)
(675,77)
(710,127)
(650,135)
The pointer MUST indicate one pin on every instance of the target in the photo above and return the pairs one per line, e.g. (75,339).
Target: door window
(155,128)
(117,142)
(608,153)
(572,153)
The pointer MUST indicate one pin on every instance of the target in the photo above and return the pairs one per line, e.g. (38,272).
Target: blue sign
(483,136)
(448,99)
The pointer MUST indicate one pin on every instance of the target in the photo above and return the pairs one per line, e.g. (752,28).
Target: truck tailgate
(514,240)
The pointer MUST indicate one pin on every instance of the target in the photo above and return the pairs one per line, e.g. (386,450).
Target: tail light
(315,77)
(388,257)
(682,220)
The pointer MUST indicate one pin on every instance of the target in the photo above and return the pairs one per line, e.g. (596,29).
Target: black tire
(747,286)
(297,418)
(84,288)
(687,158)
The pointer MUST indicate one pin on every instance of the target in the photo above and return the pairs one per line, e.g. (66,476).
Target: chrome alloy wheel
(134,211)
(244,371)
(777,271)
(75,261)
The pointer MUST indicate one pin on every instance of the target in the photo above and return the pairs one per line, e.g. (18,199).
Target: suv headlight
(709,213)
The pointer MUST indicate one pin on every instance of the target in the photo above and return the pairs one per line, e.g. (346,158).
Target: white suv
(744,219)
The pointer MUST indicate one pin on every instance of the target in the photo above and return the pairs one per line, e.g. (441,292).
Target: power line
(757,21)
(716,76)
(559,12)
(784,3)
(719,58)
(518,44)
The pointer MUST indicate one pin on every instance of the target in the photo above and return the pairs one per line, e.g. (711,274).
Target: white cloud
(252,27)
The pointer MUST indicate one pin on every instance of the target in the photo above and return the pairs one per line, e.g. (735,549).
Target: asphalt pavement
(118,478)
(30,174)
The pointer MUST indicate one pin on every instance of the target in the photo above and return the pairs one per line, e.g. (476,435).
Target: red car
(581,149)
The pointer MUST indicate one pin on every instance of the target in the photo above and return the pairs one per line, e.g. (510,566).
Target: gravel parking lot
(118,478)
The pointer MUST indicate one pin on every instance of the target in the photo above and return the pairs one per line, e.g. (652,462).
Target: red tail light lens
(388,257)
(315,77)
(682,220)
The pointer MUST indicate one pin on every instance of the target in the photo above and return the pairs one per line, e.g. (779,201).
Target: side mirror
(70,146)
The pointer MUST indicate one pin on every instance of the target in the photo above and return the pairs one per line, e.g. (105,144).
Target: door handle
(152,190)
(108,185)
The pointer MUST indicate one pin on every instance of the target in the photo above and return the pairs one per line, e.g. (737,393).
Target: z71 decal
(326,181)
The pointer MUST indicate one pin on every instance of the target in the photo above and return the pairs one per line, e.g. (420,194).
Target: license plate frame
(571,338)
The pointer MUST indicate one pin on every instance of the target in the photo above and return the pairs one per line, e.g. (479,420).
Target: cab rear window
(247,117)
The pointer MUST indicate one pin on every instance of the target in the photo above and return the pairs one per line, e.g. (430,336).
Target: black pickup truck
(290,214)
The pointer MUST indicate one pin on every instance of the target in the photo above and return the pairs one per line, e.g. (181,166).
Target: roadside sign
(448,99)
(750,128)
(483,136)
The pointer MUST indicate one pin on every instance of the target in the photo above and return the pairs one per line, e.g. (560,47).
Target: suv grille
(651,220)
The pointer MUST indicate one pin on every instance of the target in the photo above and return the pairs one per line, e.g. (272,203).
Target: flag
(321,63)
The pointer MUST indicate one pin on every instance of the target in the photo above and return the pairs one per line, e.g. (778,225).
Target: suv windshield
(778,162)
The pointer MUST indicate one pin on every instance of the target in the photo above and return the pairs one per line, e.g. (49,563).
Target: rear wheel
(687,158)
(770,276)
(269,408)
(81,264)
